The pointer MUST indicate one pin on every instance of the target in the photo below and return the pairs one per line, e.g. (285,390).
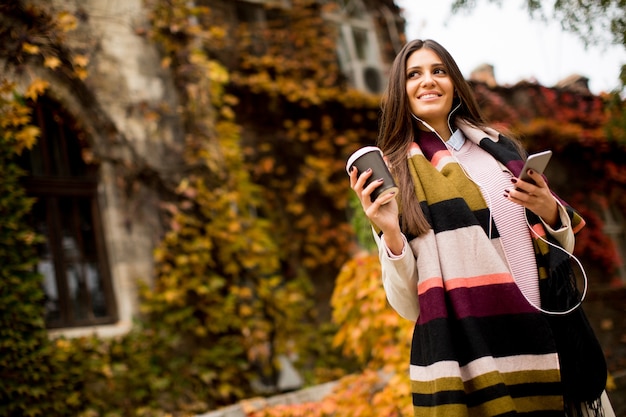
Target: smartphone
(537,162)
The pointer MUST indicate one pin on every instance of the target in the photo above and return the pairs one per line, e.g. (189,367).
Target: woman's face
(429,87)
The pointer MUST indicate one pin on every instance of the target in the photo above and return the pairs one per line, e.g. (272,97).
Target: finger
(367,191)
(518,196)
(521,185)
(353,177)
(537,178)
(363,177)
(359,180)
(373,209)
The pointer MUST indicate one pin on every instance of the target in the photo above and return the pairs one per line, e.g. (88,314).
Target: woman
(463,250)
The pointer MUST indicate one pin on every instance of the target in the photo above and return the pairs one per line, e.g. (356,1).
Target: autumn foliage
(264,252)
(33,380)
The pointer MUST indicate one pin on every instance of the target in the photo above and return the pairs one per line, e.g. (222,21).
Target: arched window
(72,257)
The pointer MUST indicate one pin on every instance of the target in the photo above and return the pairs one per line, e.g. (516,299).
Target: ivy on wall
(33,380)
(258,258)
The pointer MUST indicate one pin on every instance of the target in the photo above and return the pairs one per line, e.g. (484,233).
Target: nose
(427,79)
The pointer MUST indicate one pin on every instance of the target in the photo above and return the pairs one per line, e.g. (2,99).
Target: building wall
(116,104)
(126,83)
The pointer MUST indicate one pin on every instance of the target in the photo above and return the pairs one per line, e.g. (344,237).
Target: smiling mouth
(430,95)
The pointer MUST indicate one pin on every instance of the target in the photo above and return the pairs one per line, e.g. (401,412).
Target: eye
(440,71)
(412,74)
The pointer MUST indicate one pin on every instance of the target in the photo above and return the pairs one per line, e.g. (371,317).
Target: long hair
(398,128)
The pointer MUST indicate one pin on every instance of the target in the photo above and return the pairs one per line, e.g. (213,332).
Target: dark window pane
(80,255)
(52,304)
(72,258)
(84,283)
(45,266)
(248,13)
(360,43)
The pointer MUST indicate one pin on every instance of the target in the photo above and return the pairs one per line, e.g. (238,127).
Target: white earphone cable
(582,270)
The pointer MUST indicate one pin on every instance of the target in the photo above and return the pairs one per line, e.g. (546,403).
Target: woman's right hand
(383,212)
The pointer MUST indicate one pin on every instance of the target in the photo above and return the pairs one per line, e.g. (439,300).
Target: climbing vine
(33,380)
(258,258)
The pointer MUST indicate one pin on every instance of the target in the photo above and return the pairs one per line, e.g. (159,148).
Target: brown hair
(398,128)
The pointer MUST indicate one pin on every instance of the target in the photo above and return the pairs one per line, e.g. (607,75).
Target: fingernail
(530,172)
(507,191)
(352,169)
(514,180)
(369,170)
(505,195)
(380,180)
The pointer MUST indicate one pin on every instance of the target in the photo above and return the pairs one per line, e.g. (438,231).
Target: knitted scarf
(479,348)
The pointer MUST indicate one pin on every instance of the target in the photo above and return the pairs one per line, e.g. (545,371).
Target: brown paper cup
(372,157)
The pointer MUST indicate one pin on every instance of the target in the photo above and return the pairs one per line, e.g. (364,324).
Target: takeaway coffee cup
(372,157)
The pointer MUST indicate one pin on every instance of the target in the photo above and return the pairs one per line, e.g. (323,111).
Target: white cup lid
(357,154)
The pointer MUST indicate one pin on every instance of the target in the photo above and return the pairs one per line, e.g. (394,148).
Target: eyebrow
(436,64)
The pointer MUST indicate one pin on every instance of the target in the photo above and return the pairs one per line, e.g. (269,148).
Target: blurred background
(177,232)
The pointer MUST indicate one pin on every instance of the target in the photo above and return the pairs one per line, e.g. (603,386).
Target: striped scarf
(479,348)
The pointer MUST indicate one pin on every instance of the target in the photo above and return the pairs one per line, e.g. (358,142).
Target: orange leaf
(30,48)
(81,60)
(36,89)
(66,21)
(27,136)
(52,62)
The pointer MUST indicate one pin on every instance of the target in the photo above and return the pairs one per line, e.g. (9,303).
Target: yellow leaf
(30,48)
(36,89)
(80,73)
(171,295)
(184,184)
(52,62)
(217,72)
(106,371)
(66,21)
(81,60)
(245,292)
(245,311)
(62,344)
(15,118)
(27,137)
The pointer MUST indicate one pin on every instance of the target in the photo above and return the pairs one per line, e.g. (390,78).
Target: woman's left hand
(536,197)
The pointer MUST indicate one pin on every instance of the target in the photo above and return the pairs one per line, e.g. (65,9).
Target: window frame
(52,190)
(348,22)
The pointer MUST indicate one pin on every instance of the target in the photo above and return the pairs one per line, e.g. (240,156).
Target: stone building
(98,243)
(101,228)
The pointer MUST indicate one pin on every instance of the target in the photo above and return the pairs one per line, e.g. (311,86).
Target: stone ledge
(312,394)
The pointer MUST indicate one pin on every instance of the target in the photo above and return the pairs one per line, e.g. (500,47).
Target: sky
(519,48)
